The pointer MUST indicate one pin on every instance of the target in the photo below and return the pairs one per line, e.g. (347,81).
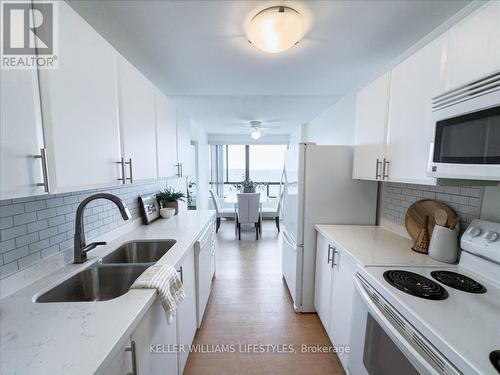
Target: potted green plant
(247,185)
(169,198)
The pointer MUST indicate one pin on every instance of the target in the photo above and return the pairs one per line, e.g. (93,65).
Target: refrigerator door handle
(288,239)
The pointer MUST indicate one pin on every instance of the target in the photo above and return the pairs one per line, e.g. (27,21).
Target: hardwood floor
(249,305)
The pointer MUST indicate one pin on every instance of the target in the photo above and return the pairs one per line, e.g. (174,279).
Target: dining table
(233,199)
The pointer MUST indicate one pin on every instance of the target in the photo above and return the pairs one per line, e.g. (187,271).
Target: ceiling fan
(256,128)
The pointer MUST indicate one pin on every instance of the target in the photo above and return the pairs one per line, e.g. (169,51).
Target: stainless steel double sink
(111,276)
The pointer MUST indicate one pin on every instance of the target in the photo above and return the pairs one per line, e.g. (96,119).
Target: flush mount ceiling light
(255,134)
(276,29)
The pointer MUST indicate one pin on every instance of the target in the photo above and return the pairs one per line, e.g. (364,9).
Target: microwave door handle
(403,344)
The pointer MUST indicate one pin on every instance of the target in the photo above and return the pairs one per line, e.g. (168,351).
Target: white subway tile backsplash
(13,209)
(27,239)
(44,214)
(13,232)
(465,200)
(15,254)
(37,226)
(35,206)
(6,222)
(29,260)
(34,228)
(25,218)
(47,232)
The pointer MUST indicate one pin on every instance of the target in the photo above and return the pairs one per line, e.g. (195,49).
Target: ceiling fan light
(255,134)
(276,29)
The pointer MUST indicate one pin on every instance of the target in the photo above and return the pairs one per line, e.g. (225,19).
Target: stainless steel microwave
(467,132)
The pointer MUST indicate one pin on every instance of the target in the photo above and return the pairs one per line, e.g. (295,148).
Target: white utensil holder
(444,244)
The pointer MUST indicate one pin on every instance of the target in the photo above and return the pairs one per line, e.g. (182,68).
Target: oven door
(384,343)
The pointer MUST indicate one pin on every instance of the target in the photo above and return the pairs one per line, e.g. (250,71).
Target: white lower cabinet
(205,270)
(137,356)
(333,292)
(157,347)
(341,301)
(323,280)
(155,330)
(122,362)
(186,314)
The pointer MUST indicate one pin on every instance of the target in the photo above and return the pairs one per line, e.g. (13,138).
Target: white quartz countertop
(375,246)
(83,337)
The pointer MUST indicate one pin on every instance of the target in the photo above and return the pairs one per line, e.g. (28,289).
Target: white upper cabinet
(166,135)
(20,134)
(79,108)
(474,46)
(371,123)
(413,84)
(137,120)
(184,156)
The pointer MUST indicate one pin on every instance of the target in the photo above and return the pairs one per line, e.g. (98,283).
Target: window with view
(231,164)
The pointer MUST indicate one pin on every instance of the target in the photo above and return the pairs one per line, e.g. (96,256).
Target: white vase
(167,212)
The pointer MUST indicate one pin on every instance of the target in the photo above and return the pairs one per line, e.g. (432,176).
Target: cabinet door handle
(178,166)
(377,168)
(330,257)
(181,274)
(385,173)
(129,162)
(122,167)
(333,258)
(182,172)
(133,354)
(45,171)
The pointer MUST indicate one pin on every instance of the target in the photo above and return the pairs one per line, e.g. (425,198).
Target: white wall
(200,136)
(336,125)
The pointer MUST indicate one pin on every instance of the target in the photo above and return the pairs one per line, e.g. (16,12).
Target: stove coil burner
(458,281)
(415,284)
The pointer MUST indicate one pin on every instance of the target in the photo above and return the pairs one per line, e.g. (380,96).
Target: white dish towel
(165,280)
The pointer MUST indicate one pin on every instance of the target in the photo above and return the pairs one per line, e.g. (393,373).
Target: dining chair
(273,212)
(220,211)
(248,212)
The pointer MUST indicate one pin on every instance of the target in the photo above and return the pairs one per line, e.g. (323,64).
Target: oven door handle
(407,347)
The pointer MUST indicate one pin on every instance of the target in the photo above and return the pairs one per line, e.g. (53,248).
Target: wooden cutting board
(415,216)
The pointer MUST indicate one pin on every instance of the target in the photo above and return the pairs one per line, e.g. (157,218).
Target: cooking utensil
(421,244)
(426,207)
(441,217)
(454,223)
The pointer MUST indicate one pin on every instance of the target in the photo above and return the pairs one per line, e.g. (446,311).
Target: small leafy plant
(170,195)
(246,184)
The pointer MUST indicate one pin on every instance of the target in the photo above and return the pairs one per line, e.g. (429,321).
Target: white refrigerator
(318,188)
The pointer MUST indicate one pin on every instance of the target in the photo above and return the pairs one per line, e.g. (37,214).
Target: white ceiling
(196,52)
